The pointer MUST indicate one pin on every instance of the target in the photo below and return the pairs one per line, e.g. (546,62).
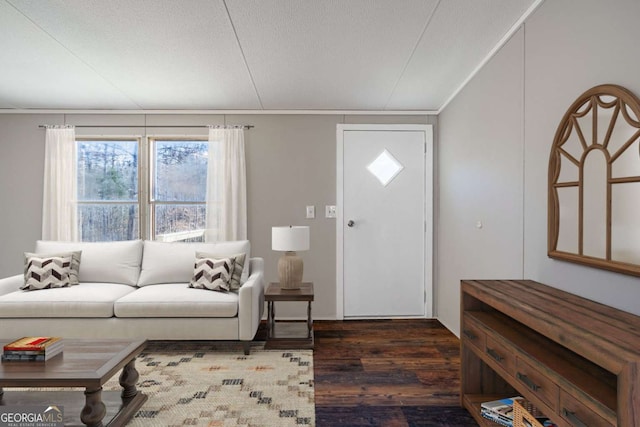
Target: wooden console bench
(576,360)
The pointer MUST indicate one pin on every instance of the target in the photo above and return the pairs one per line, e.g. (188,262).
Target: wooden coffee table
(83,363)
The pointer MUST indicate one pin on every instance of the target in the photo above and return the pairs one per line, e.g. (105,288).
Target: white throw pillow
(102,262)
(173,262)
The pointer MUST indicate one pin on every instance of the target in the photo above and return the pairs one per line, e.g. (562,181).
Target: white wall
(563,49)
(480,180)
(21,186)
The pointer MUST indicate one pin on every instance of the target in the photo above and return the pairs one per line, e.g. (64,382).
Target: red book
(31,343)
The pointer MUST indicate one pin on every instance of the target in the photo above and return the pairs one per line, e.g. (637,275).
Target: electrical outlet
(311,212)
(330,211)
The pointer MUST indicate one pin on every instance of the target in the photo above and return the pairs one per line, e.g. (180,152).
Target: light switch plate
(330,211)
(311,212)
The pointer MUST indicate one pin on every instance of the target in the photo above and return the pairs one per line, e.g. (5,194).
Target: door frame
(428,212)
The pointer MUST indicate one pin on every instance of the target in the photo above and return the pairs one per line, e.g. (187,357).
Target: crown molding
(222,112)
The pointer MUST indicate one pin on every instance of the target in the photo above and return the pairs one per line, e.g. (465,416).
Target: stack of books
(38,349)
(500,411)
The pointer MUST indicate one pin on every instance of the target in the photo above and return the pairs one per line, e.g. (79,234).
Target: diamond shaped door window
(385,167)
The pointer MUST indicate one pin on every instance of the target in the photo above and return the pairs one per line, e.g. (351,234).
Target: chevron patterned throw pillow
(47,272)
(238,266)
(74,268)
(213,274)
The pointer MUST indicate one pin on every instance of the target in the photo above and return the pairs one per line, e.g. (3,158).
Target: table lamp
(290,239)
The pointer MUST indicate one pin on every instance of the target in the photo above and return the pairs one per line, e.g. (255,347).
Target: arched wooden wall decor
(594,182)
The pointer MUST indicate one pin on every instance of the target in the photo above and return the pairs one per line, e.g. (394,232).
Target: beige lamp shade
(290,267)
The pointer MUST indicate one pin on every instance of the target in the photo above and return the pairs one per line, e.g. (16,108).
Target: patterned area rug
(217,385)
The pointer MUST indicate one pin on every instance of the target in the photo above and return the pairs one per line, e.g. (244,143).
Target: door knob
(350,223)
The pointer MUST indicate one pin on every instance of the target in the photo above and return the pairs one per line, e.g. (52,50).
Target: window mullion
(144,190)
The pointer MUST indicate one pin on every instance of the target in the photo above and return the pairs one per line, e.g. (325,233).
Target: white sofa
(136,289)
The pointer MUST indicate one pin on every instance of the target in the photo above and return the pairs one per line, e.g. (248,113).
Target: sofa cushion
(173,262)
(213,274)
(43,272)
(176,300)
(109,262)
(84,300)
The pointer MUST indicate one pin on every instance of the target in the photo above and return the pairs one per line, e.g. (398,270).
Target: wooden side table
(289,334)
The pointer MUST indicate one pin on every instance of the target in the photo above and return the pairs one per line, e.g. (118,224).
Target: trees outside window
(108,190)
(179,188)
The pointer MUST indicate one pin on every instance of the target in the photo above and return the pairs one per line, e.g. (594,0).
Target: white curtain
(226,186)
(59,210)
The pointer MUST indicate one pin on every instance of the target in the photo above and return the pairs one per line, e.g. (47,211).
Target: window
(117,201)
(179,189)
(108,196)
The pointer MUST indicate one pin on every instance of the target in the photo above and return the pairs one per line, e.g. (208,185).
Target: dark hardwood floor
(387,373)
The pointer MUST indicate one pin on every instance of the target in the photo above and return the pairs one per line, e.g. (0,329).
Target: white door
(384,233)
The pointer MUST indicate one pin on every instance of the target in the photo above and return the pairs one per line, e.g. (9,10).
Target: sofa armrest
(251,301)
(11,284)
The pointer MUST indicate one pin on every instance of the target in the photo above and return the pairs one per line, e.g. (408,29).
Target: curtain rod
(150,126)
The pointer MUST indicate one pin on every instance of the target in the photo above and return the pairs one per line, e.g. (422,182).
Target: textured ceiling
(393,55)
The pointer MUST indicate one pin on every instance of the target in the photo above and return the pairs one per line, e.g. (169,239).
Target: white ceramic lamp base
(290,270)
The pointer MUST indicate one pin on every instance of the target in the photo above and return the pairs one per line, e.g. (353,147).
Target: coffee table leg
(94,409)
(128,379)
